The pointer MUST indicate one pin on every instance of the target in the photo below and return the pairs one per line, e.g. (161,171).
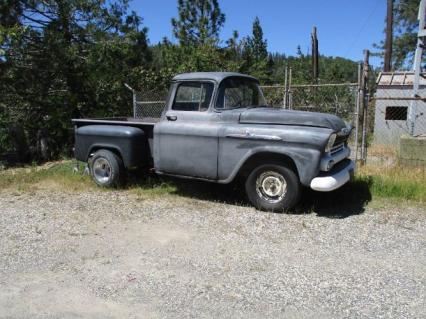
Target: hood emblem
(345,131)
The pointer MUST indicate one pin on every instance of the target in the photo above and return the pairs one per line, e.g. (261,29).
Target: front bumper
(337,177)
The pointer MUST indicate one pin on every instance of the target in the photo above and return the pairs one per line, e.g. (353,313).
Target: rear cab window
(193,96)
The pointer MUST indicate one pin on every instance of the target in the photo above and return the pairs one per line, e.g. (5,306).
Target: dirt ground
(115,254)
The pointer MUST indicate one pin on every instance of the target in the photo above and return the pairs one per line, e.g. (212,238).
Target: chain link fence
(338,99)
(389,116)
(379,117)
(149,104)
(376,133)
(335,99)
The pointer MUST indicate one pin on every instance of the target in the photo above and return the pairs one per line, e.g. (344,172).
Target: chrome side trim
(250,136)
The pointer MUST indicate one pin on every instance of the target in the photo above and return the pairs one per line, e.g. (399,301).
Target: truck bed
(146,124)
(147,121)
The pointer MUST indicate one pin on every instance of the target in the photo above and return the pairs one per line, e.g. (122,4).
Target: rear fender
(130,143)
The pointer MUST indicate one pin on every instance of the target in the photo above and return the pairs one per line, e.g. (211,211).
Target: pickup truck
(217,127)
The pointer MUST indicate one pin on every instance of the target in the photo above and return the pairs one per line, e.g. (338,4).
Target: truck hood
(289,117)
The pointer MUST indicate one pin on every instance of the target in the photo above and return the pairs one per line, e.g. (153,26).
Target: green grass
(395,182)
(60,173)
(399,183)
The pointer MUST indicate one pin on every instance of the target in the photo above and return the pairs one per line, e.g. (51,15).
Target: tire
(273,187)
(106,169)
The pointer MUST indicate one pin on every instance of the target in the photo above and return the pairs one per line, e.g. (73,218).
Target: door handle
(171,117)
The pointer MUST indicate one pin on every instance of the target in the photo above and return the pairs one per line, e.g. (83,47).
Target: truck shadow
(349,200)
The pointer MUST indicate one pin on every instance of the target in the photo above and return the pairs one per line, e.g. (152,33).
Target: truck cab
(216,126)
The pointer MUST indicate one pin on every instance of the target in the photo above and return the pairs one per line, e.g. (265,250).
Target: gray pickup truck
(216,127)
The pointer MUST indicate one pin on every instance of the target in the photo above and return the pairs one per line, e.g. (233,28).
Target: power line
(367,20)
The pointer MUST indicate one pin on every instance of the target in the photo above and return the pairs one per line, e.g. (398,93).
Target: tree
(405,33)
(258,46)
(406,23)
(255,54)
(199,22)
(64,59)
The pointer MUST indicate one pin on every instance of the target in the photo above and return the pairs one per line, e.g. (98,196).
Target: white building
(392,101)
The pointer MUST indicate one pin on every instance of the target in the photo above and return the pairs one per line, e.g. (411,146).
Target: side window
(193,96)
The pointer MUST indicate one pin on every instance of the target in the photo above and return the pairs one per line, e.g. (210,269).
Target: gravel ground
(111,254)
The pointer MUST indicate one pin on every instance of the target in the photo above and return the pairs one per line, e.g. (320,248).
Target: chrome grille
(339,144)
(337,148)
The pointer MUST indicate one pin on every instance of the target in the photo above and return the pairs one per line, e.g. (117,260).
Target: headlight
(330,143)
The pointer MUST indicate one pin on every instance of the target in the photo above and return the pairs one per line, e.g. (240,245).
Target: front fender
(306,160)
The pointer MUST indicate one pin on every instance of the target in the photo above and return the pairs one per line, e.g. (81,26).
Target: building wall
(388,132)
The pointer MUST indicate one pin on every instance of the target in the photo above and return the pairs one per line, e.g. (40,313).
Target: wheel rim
(271,186)
(101,170)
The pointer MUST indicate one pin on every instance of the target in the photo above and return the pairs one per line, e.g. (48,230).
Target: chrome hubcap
(101,170)
(271,186)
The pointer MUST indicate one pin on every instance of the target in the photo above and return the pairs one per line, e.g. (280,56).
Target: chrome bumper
(337,177)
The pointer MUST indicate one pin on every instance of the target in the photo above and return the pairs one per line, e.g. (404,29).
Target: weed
(407,183)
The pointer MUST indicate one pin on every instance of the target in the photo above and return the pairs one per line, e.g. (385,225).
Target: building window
(396,113)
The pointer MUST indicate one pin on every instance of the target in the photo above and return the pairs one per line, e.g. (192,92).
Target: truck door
(186,139)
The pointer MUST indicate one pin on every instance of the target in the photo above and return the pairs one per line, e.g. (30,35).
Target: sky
(345,27)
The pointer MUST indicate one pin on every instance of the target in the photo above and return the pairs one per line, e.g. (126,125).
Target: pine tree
(407,25)
(405,33)
(199,22)
(255,54)
(257,44)
(66,58)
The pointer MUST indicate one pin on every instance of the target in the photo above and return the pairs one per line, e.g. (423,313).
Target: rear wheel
(273,187)
(106,168)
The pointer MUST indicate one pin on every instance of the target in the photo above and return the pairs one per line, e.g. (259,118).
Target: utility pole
(364,101)
(358,107)
(389,37)
(421,41)
(315,55)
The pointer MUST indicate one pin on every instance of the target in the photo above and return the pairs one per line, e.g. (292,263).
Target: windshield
(238,93)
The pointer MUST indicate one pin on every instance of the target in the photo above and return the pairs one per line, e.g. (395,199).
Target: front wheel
(273,187)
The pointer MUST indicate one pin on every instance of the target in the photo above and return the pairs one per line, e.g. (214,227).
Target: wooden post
(387,67)
(364,101)
(285,87)
(290,97)
(356,115)
(315,57)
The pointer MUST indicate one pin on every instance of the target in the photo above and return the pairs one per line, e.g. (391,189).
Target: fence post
(285,88)
(364,87)
(133,98)
(356,115)
(290,98)
(412,111)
